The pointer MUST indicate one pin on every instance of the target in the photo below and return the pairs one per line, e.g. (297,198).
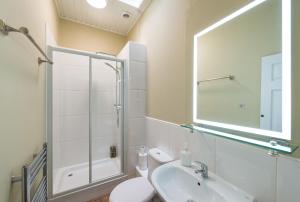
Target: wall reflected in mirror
(239,70)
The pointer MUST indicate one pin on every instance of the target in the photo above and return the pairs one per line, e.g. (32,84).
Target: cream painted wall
(162,30)
(22,88)
(167,29)
(233,49)
(82,37)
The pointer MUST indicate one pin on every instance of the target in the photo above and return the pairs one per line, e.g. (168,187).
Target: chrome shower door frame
(49,118)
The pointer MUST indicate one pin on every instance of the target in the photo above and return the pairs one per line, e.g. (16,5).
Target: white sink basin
(176,183)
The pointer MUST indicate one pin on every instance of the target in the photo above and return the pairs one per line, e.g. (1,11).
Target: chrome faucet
(201,168)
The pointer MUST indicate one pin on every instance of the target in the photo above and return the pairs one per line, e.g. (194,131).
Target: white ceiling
(109,18)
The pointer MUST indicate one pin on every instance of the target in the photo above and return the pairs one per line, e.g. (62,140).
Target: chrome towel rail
(34,178)
(230,77)
(6,29)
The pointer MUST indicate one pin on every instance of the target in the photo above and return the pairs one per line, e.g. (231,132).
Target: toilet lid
(134,190)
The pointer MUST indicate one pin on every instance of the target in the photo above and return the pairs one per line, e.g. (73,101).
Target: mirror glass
(242,71)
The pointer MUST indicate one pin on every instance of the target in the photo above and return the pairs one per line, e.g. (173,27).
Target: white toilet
(139,189)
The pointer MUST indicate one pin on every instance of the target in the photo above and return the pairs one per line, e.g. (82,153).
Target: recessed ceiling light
(97,3)
(134,3)
(126,15)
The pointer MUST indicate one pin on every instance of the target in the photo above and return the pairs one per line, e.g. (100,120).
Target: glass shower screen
(106,115)
(86,137)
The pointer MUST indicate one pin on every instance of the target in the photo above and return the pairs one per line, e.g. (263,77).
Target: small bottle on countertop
(185,156)
(143,158)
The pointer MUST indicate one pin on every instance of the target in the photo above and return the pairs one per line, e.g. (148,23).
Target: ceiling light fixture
(133,3)
(97,3)
(126,15)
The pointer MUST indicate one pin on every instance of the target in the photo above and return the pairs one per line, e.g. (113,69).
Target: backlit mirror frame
(286,74)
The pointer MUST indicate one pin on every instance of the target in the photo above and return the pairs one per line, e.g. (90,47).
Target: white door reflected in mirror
(271,93)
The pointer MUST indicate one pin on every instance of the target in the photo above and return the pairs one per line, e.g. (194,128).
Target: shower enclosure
(85,119)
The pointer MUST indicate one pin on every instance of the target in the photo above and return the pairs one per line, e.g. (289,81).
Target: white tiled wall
(269,179)
(137,103)
(251,169)
(288,179)
(135,54)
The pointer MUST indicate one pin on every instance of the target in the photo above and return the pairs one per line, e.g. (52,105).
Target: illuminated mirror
(242,71)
